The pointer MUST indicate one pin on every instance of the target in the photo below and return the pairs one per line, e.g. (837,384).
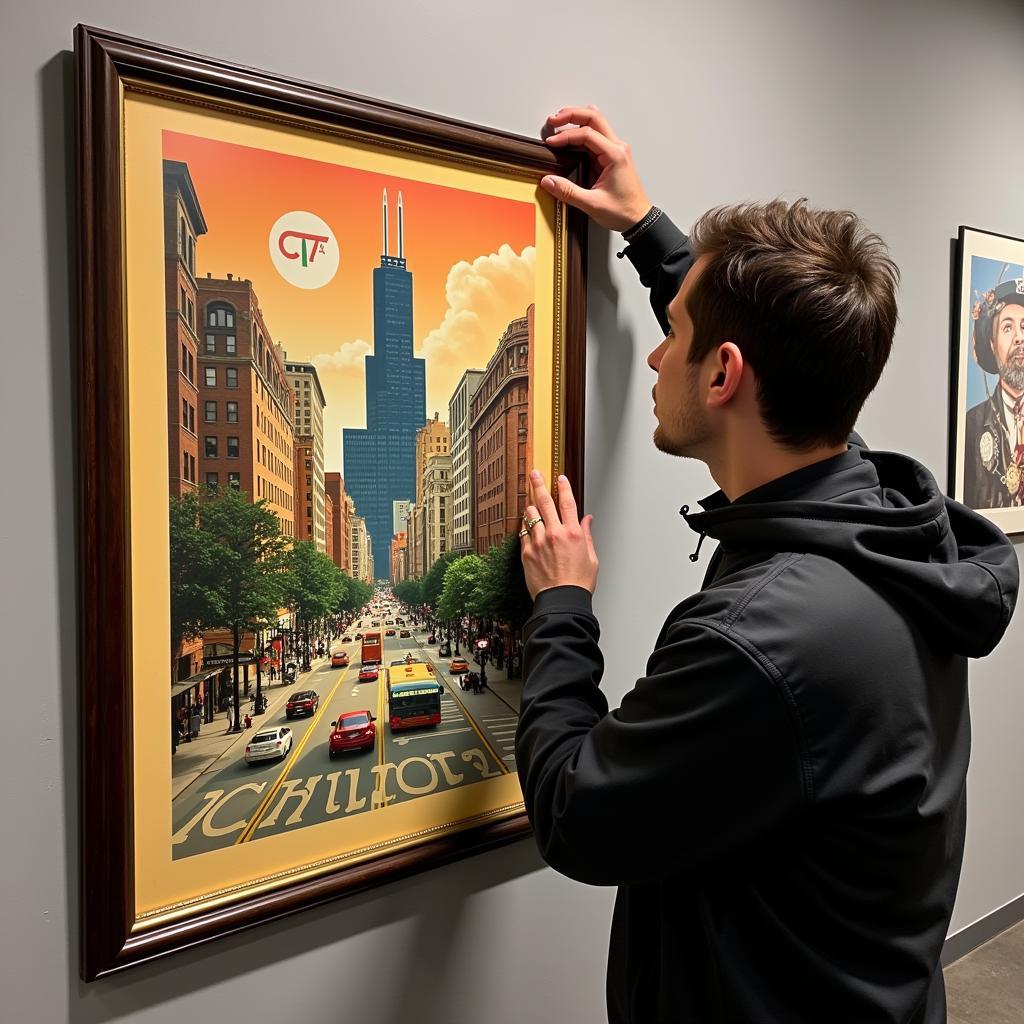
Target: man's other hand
(557,549)
(616,200)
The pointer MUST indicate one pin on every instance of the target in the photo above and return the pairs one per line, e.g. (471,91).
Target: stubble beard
(1011,373)
(685,435)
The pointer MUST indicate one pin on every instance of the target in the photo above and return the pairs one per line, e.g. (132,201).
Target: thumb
(562,188)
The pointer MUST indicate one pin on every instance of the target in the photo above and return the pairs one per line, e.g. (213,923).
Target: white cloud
(483,296)
(348,356)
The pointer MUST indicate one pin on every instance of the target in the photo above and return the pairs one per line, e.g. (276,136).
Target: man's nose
(654,359)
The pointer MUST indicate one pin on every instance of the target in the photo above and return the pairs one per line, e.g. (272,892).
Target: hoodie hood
(882,515)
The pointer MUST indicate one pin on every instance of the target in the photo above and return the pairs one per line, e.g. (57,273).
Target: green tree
(250,556)
(313,584)
(433,581)
(503,594)
(196,565)
(460,580)
(410,592)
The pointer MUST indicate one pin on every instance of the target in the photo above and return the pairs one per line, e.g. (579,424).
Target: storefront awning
(193,680)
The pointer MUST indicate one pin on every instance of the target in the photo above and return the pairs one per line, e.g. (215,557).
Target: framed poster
(987,401)
(324,338)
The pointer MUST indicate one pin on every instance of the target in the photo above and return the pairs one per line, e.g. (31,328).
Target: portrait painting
(987,403)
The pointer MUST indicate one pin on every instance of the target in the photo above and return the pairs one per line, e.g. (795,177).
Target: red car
(368,673)
(353,730)
(339,659)
(303,702)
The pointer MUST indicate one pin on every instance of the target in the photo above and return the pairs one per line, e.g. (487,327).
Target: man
(781,797)
(994,429)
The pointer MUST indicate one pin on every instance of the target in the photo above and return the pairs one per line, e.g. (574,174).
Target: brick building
(246,412)
(499,417)
(183,223)
(334,486)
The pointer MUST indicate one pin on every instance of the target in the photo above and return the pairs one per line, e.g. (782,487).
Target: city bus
(414,696)
(372,648)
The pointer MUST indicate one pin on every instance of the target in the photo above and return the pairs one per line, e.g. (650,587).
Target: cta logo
(304,249)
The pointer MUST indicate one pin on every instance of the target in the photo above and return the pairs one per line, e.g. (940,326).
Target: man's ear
(728,373)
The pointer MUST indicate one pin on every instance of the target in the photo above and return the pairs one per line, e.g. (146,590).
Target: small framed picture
(987,400)
(324,339)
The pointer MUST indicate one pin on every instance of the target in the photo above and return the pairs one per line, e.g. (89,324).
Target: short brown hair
(809,297)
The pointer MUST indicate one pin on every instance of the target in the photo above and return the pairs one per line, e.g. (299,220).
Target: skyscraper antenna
(385,216)
(401,234)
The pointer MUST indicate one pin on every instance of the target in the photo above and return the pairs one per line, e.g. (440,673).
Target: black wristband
(633,233)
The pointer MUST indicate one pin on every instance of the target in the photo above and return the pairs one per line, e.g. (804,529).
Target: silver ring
(524,533)
(531,523)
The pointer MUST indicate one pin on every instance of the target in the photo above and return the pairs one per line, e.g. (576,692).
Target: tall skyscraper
(380,458)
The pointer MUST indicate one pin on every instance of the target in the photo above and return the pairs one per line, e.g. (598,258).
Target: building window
(232,412)
(211,480)
(184,360)
(191,369)
(231,373)
(182,302)
(211,344)
(211,376)
(229,344)
(234,480)
(210,412)
(191,315)
(210,446)
(232,447)
(220,316)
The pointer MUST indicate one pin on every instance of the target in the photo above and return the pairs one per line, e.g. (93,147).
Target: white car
(269,744)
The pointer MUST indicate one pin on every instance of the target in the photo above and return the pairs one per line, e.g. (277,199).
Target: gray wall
(908,113)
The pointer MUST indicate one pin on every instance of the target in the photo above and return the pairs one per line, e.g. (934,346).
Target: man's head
(999,332)
(787,309)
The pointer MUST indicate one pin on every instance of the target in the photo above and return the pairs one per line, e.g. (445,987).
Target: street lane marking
(289,762)
(469,718)
(427,735)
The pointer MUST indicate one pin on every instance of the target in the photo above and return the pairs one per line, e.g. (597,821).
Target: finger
(589,534)
(537,532)
(584,116)
(567,503)
(544,500)
(602,147)
(574,195)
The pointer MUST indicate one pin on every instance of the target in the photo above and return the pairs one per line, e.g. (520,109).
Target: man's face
(683,423)
(1008,345)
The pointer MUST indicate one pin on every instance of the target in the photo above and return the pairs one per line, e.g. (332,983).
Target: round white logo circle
(304,249)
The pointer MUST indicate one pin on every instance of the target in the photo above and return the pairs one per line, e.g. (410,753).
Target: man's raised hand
(616,200)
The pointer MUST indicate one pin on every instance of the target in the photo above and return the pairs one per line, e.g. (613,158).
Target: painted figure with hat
(994,429)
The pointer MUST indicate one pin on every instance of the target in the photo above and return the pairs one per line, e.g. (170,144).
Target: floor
(987,985)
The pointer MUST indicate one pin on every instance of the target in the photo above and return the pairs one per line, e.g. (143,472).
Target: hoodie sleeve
(662,258)
(702,757)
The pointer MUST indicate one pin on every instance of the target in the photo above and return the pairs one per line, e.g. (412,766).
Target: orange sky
(242,191)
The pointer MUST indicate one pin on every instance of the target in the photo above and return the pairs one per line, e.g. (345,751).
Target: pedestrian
(228,716)
(805,713)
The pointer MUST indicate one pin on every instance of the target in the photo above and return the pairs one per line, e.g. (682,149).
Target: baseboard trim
(985,928)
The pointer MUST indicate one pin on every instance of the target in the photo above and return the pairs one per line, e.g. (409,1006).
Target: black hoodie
(781,797)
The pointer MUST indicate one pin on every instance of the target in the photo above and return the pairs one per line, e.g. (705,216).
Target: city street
(233,802)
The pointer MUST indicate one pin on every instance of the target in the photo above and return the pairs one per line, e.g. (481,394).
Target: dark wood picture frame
(107,64)
(1009,520)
